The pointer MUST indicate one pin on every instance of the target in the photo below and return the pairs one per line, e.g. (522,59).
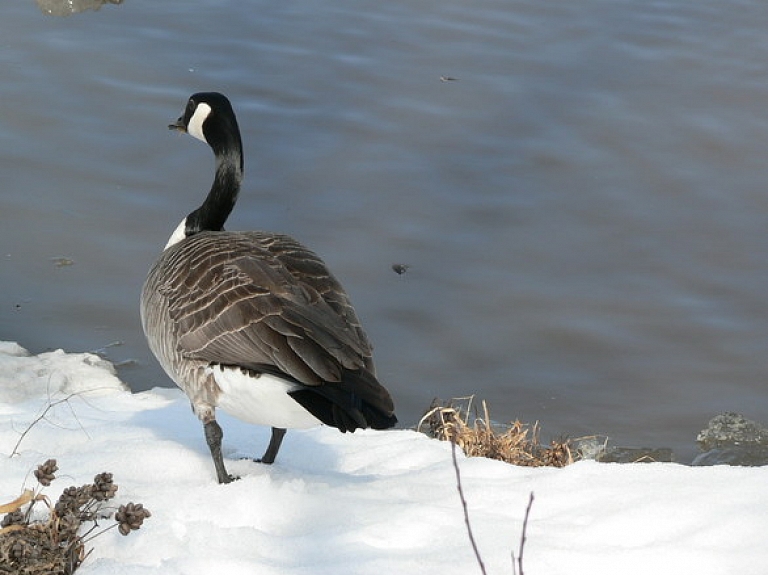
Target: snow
(369,502)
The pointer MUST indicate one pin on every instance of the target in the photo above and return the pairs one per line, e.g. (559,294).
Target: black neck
(226,186)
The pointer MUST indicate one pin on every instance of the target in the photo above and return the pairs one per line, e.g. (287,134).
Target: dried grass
(516,443)
(39,549)
(55,545)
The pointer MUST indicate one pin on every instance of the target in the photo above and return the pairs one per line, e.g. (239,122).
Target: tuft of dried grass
(516,443)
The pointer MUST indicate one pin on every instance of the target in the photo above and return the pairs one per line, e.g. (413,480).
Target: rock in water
(732,439)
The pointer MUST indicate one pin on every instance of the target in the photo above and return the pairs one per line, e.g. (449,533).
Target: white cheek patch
(177,235)
(195,126)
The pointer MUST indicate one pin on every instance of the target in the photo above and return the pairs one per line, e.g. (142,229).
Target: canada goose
(253,322)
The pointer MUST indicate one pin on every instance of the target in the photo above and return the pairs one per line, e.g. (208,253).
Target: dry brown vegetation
(517,443)
(56,545)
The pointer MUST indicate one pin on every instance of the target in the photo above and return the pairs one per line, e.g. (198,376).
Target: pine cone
(13,518)
(45,472)
(19,550)
(130,517)
(68,526)
(72,499)
(103,488)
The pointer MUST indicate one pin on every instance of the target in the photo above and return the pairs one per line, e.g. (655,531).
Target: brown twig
(51,405)
(523,537)
(464,507)
(37,420)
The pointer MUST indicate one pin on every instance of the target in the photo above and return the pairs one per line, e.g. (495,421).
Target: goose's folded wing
(243,308)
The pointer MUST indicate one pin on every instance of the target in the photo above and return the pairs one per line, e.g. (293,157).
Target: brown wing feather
(254,299)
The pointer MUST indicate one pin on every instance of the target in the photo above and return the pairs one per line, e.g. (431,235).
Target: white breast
(260,399)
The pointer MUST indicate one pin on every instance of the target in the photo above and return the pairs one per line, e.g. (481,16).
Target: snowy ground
(368,503)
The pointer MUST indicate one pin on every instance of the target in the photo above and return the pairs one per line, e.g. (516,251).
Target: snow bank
(371,502)
(23,376)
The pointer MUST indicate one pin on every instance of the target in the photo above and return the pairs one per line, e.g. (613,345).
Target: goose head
(209,117)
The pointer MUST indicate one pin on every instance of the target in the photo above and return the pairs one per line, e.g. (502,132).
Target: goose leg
(274,445)
(213,435)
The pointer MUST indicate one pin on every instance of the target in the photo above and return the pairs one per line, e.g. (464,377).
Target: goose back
(261,302)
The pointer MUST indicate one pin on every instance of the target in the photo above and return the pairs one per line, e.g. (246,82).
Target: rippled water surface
(583,206)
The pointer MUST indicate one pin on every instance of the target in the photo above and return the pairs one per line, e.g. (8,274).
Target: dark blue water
(583,208)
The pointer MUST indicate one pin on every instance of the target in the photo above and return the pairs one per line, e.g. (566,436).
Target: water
(583,209)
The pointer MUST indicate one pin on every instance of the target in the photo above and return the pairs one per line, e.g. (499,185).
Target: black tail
(357,402)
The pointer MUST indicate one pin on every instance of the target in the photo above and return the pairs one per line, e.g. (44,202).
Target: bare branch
(42,416)
(464,506)
(523,537)
(37,420)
